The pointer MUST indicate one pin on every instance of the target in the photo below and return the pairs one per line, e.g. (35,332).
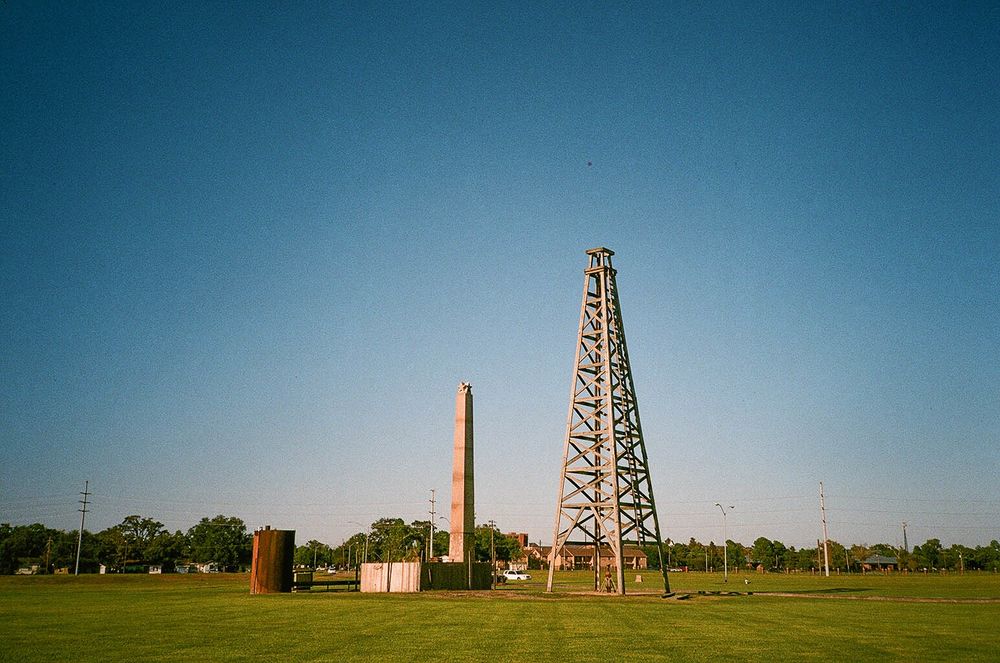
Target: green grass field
(213,617)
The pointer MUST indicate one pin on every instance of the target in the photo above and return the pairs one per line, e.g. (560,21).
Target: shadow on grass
(829,590)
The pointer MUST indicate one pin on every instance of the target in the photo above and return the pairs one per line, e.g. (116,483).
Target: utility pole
(826,537)
(906,548)
(493,557)
(83,518)
(430,544)
(48,553)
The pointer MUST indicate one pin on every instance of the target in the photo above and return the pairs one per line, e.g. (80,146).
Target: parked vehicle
(511,574)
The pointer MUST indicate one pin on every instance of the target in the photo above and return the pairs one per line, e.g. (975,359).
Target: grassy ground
(969,585)
(212,617)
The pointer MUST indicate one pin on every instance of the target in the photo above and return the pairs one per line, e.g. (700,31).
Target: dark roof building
(879,561)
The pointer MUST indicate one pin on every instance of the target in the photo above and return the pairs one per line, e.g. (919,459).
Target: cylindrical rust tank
(273,556)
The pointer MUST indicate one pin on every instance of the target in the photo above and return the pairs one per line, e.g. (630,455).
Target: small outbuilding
(880,563)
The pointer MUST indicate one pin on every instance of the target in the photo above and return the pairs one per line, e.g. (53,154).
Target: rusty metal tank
(273,557)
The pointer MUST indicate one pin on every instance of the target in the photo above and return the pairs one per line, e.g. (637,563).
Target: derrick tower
(605,492)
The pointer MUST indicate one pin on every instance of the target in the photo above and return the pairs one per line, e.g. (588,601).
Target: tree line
(395,540)
(133,544)
(139,541)
(776,556)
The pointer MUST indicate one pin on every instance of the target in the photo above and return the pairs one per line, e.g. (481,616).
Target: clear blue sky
(250,250)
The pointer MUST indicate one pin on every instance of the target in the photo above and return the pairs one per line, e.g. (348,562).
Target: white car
(510,574)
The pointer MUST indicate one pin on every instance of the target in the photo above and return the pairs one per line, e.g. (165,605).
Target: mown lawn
(969,585)
(213,617)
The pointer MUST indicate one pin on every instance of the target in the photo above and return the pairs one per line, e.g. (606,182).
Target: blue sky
(249,251)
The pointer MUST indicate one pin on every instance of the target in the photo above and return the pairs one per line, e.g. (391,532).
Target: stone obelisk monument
(462,546)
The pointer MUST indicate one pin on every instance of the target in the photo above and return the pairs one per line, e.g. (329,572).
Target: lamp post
(725,544)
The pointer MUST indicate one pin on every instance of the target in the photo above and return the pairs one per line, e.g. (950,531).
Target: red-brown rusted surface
(273,555)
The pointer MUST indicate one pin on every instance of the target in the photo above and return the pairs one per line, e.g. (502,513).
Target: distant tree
(958,556)
(24,544)
(653,556)
(988,557)
(64,551)
(789,560)
(884,549)
(222,539)
(353,549)
(114,548)
(693,554)
(133,537)
(803,559)
(771,554)
(838,555)
(167,549)
(421,528)
(780,554)
(505,547)
(716,555)
(344,554)
(905,560)
(763,552)
(391,540)
(859,553)
(140,532)
(442,540)
(737,553)
(313,554)
(929,554)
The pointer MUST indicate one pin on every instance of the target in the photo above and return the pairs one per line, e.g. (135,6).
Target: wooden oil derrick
(605,492)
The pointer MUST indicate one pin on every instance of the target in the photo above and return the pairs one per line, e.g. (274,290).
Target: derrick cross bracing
(605,492)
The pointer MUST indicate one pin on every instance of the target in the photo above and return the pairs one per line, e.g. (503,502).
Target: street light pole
(725,544)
